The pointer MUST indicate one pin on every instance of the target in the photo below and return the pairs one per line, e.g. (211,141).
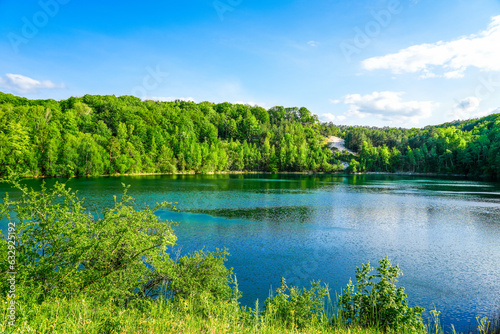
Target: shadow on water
(277,215)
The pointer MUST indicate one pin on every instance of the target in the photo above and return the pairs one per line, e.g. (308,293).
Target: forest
(103,135)
(470,147)
(106,135)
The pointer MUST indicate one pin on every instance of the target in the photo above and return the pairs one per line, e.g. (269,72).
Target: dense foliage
(99,135)
(294,308)
(102,135)
(64,250)
(469,147)
(376,302)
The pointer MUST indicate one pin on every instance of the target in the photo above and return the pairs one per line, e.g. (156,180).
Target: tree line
(470,147)
(102,135)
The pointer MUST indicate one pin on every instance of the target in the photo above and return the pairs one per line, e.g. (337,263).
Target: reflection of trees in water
(262,183)
(275,215)
(305,251)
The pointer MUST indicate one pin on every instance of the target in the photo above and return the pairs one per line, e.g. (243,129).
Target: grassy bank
(87,316)
(80,315)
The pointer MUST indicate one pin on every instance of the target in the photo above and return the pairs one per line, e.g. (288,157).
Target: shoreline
(160,174)
(414,174)
(258,172)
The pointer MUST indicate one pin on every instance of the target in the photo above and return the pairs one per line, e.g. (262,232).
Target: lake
(444,233)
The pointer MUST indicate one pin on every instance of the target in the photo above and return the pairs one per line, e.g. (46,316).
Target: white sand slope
(339,144)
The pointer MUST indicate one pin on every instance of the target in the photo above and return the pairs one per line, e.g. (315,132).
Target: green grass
(84,316)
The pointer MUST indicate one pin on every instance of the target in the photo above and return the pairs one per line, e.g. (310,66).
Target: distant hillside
(99,135)
(102,135)
(470,147)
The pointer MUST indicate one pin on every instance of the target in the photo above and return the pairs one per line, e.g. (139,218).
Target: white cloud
(454,74)
(388,106)
(313,43)
(427,74)
(251,103)
(468,108)
(480,50)
(328,117)
(469,104)
(18,83)
(334,101)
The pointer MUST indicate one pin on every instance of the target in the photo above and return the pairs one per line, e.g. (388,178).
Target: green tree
(375,301)
(273,161)
(353,166)
(62,250)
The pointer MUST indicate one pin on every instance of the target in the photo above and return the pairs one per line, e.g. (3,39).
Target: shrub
(376,302)
(298,309)
(63,250)
(203,281)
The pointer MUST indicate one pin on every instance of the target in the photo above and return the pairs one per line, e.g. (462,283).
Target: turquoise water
(444,233)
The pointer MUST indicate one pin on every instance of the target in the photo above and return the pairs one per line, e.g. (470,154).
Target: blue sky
(405,63)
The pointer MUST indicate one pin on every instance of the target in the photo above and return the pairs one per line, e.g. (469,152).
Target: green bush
(376,302)
(298,309)
(63,250)
(202,280)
